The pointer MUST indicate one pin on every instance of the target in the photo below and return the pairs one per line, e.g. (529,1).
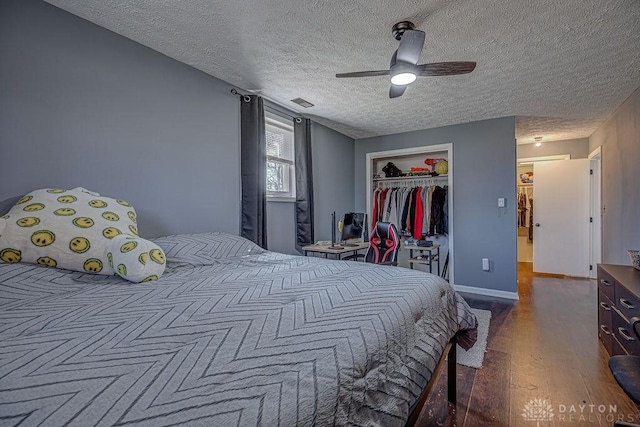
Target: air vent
(302,102)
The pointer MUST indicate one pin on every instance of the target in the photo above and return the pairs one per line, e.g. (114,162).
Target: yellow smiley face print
(132,216)
(123,203)
(83,222)
(110,232)
(98,203)
(128,247)
(11,255)
(143,258)
(110,216)
(55,191)
(25,199)
(157,256)
(33,207)
(79,245)
(67,199)
(43,238)
(5,216)
(28,221)
(150,278)
(64,212)
(93,265)
(47,261)
(133,230)
(122,269)
(110,258)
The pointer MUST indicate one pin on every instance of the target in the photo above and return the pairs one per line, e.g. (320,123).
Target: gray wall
(620,140)
(577,148)
(82,106)
(484,169)
(333,177)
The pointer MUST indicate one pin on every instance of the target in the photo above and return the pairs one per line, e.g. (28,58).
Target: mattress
(230,335)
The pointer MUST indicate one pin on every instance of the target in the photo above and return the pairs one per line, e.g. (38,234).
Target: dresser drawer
(606,284)
(624,334)
(605,323)
(616,348)
(627,303)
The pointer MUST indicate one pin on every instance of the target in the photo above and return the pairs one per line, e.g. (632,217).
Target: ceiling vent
(302,102)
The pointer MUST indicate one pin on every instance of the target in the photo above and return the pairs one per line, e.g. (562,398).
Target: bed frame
(449,355)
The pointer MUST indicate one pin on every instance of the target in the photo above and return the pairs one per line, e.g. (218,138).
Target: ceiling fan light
(402,79)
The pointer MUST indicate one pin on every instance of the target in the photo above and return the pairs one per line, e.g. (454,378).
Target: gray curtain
(304,183)
(253,170)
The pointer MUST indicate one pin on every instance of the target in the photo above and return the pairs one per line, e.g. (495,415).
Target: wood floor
(544,346)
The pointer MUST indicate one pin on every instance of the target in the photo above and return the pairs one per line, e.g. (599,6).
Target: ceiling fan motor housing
(399,28)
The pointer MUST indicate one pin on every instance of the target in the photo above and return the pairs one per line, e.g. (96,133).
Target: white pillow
(75,229)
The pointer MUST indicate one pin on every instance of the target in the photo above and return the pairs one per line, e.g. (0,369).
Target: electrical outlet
(501,202)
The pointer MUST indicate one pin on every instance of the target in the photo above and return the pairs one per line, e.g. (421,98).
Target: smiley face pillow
(79,230)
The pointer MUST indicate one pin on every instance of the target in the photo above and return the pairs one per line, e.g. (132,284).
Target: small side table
(429,257)
(326,249)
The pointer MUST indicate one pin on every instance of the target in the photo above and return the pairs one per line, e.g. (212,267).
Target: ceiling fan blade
(411,45)
(446,68)
(396,91)
(364,74)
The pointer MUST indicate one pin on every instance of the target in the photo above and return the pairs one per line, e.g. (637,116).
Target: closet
(419,204)
(524,218)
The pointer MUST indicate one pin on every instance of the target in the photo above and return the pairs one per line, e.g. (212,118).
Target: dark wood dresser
(618,301)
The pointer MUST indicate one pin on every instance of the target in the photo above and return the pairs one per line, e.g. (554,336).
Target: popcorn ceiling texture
(561,67)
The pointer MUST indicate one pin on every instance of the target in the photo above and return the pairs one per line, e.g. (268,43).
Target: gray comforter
(230,335)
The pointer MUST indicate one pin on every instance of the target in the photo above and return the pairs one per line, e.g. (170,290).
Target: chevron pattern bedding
(230,335)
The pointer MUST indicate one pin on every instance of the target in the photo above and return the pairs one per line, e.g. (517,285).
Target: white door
(561,217)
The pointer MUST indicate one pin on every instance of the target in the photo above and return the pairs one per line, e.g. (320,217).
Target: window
(280,157)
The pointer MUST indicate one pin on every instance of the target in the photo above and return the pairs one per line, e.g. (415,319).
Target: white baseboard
(487,292)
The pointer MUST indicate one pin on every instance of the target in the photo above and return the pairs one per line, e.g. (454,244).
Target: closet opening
(525,206)
(413,188)
(558,215)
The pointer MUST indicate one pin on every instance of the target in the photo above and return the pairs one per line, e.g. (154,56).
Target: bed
(230,335)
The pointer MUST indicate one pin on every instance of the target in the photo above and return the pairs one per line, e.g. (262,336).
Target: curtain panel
(253,160)
(304,183)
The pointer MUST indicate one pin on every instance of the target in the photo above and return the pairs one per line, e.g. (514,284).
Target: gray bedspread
(230,335)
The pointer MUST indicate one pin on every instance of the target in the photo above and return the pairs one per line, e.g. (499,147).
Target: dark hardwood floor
(544,346)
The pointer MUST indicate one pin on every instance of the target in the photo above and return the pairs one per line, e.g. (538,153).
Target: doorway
(559,214)
(525,224)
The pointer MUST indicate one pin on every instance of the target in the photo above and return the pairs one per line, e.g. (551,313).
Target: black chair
(626,371)
(383,244)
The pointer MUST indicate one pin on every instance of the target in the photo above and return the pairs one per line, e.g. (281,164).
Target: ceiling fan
(404,69)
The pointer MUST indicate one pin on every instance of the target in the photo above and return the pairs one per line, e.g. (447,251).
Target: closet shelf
(405,178)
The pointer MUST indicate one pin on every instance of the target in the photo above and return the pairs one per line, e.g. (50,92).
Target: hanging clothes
(416,211)
(531,217)
(419,212)
(445,210)
(436,225)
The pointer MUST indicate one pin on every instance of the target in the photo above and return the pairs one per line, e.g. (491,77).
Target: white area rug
(474,357)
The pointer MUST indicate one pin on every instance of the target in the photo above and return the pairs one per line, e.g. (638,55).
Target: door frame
(595,211)
(426,149)
(531,160)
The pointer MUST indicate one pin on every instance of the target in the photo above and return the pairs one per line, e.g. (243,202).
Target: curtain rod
(274,106)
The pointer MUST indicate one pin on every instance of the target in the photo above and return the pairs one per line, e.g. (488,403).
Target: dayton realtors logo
(538,410)
(541,410)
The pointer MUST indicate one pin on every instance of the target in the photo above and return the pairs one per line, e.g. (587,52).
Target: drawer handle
(626,304)
(625,335)
(605,282)
(605,306)
(605,329)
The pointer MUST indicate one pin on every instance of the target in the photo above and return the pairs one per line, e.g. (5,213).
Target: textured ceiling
(561,67)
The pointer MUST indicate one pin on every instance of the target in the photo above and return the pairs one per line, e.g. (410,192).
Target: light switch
(501,202)
(485,264)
